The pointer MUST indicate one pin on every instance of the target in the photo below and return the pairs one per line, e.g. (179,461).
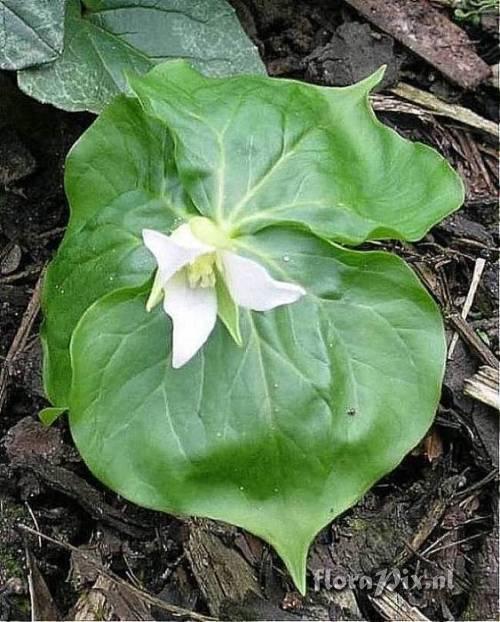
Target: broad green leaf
(284,418)
(119,179)
(278,436)
(103,38)
(31,32)
(253,152)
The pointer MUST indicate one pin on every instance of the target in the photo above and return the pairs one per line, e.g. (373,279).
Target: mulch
(69,547)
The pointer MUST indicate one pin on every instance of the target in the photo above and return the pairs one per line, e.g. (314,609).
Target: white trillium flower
(190,260)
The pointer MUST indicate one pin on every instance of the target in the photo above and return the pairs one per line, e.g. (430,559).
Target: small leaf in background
(31,32)
(48,415)
(432,446)
(104,38)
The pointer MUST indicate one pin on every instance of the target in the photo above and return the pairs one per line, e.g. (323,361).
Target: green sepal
(227,309)
(48,415)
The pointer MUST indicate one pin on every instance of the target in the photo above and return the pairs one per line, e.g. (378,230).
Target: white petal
(251,286)
(173,252)
(193,312)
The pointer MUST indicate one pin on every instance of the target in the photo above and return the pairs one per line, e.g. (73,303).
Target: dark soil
(436,515)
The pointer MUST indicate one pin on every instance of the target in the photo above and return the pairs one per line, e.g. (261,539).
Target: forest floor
(69,547)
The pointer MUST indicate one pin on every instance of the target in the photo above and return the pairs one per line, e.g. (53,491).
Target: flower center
(201,272)
(210,233)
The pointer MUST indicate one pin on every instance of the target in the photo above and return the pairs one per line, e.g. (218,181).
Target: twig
(424,529)
(456,543)
(469,335)
(33,518)
(20,338)
(387,103)
(490,477)
(433,545)
(480,162)
(30,584)
(179,612)
(476,277)
(442,108)
(51,234)
(10,278)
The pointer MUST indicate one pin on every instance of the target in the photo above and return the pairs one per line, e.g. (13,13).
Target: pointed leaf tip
(48,415)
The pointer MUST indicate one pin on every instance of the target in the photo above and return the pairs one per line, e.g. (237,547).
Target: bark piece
(483,600)
(90,499)
(10,258)
(392,606)
(430,34)
(148,599)
(353,53)
(225,578)
(43,606)
(222,573)
(29,438)
(108,600)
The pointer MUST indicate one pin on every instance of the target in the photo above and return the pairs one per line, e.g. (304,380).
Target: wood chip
(484,386)
(175,612)
(89,498)
(10,258)
(429,33)
(392,606)
(109,600)
(43,606)
(221,572)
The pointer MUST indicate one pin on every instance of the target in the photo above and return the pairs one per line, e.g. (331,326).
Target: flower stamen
(201,272)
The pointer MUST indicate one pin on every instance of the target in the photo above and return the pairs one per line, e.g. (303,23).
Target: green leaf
(278,436)
(48,415)
(284,418)
(120,178)
(253,152)
(31,32)
(107,37)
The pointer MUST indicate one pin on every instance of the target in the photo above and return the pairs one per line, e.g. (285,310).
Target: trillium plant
(220,346)
(188,272)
